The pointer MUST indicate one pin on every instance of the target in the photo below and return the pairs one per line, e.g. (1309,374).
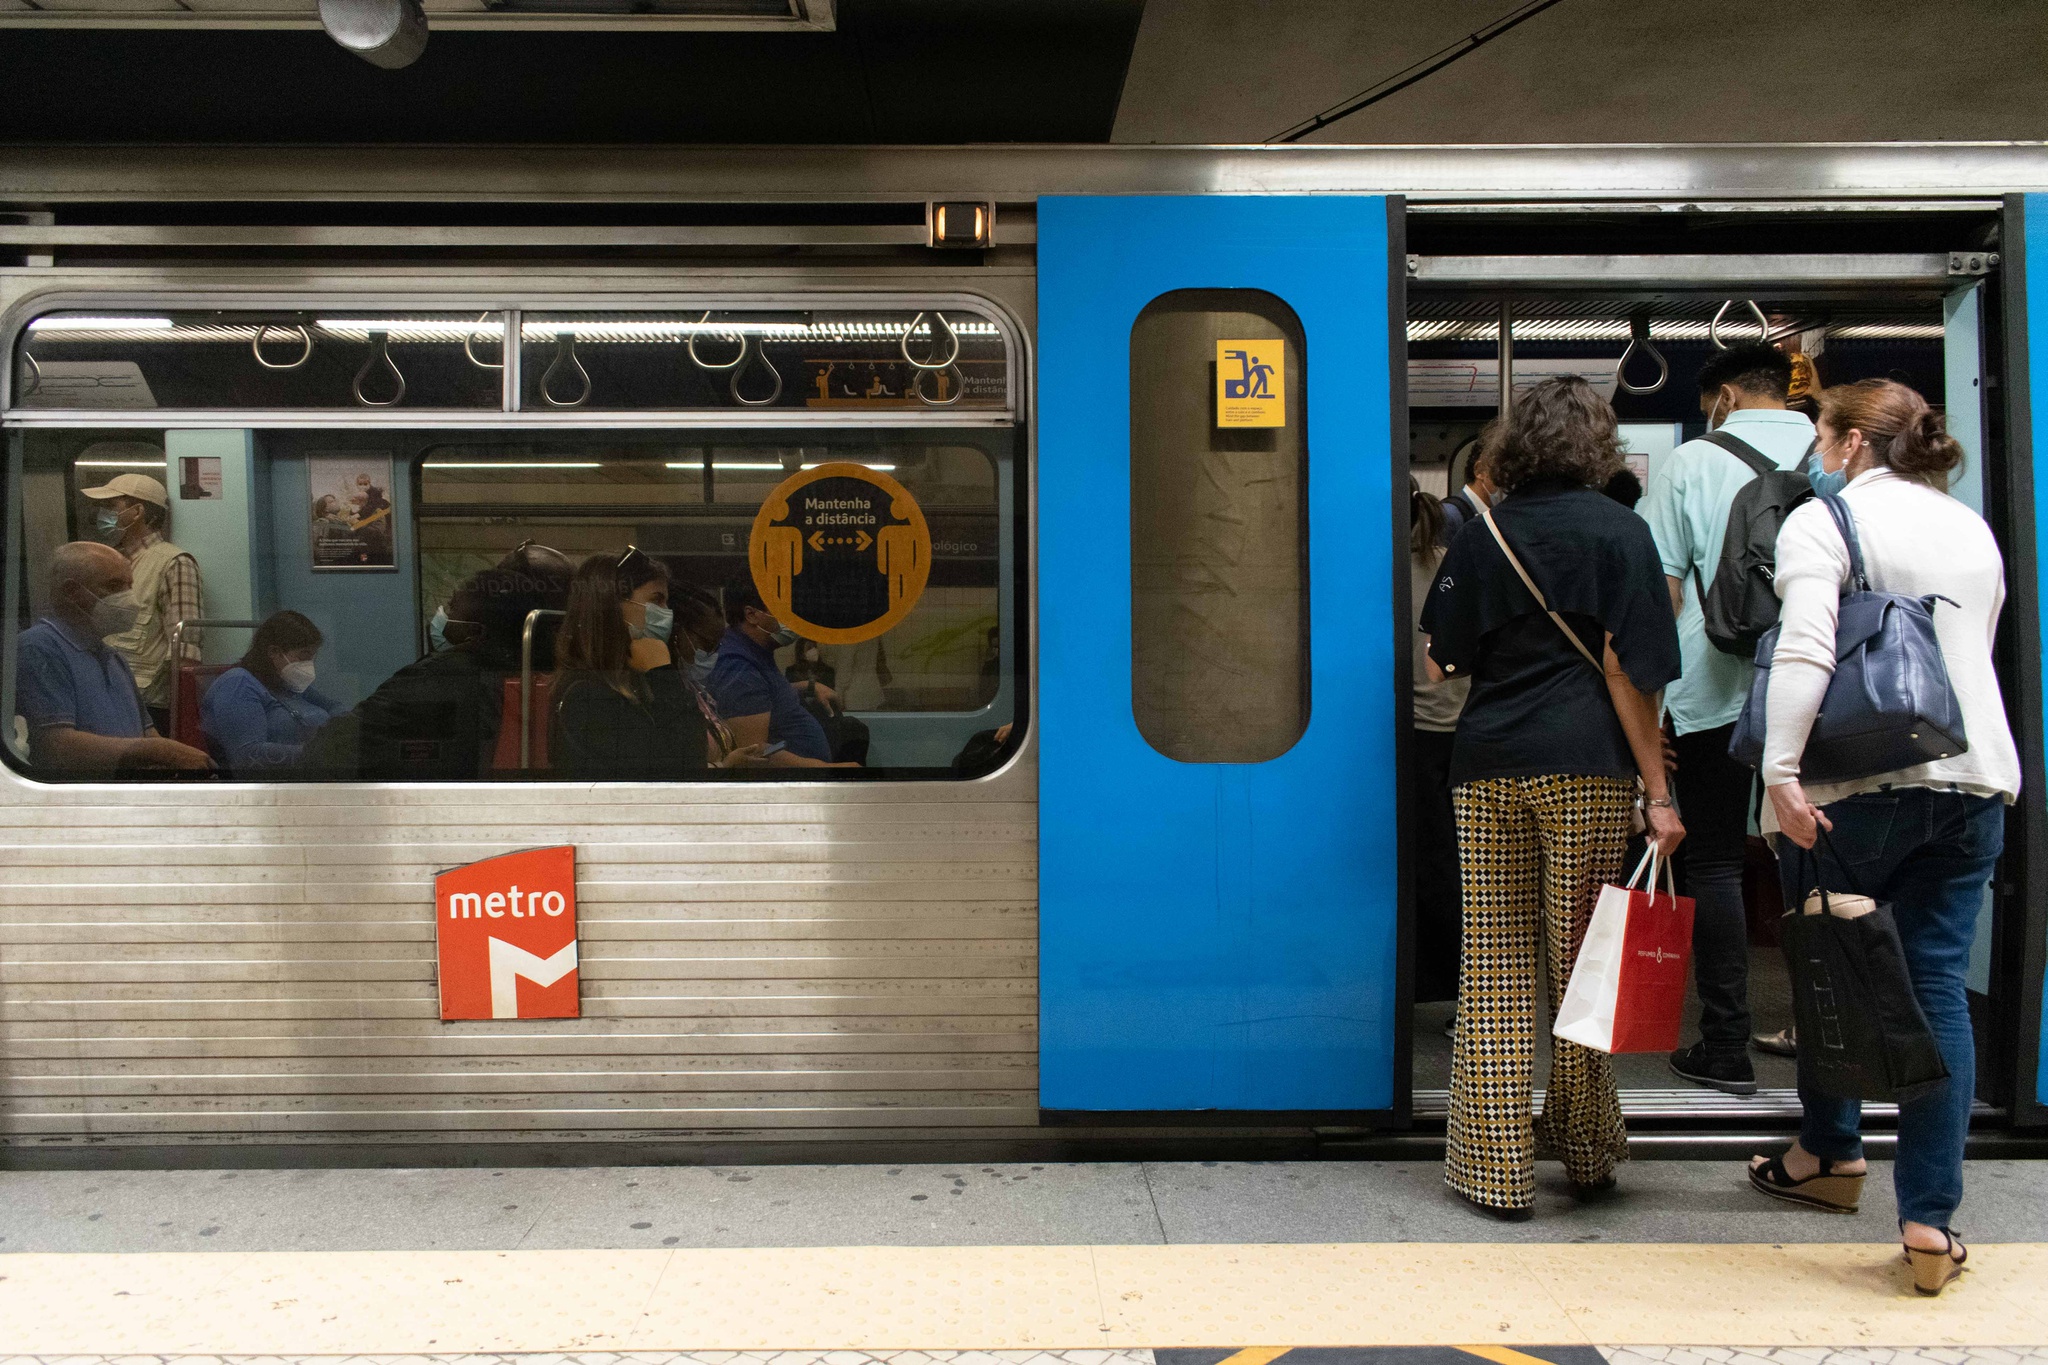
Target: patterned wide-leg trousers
(1534,852)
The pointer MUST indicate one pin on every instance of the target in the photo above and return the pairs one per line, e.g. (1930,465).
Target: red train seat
(193,680)
(506,757)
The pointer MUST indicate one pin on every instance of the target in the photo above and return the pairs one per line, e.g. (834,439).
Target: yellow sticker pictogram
(1251,383)
(840,553)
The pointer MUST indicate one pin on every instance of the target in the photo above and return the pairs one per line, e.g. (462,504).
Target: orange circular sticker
(840,553)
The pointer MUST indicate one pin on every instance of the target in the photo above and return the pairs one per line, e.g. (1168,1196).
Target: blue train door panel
(1223,618)
(2027,331)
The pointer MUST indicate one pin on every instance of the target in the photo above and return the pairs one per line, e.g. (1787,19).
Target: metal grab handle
(1639,336)
(951,335)
(959,386)
(526,684)
(1763,324)
(565,350)
(380,343)
(177,651)
(35,374)
(469,344)
(305,341)
(760,354)
(690,344)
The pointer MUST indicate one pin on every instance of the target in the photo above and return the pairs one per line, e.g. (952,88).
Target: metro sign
(507,930)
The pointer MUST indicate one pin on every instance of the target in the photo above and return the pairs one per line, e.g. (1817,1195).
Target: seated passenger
(702,624)
(621,707)
(260,713)
(761,706)
(75,692)
(437,718)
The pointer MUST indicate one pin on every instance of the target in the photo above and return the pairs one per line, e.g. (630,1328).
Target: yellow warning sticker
(1251,383)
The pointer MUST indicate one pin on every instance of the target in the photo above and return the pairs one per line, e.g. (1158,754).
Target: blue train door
(1223,653)
(2026,310)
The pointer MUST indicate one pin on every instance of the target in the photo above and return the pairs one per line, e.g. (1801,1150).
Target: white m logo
(509,963)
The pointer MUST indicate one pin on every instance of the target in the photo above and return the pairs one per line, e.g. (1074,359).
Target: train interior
(1642,347)
(372,530)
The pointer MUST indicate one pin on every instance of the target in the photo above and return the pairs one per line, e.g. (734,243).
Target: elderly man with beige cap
(133,511)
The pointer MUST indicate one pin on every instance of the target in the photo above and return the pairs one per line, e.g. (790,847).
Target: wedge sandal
(1934,1271)
(1824,1189)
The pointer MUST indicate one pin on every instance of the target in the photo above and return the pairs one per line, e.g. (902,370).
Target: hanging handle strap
(1537,593)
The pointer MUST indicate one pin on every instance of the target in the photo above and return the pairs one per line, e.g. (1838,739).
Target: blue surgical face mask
(437,629)
(658,624)
(700,667)
(783,637)
(1827,482)
(107,524)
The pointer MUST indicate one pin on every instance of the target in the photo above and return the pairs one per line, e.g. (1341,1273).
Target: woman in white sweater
(1924,838)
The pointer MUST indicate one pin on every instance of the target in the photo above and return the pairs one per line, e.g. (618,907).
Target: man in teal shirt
(1742,392)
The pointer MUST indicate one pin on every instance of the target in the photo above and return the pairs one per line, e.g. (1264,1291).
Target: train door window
(1219,530)
(831,594)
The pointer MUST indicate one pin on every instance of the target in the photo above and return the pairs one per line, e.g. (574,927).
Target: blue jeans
(1930,854)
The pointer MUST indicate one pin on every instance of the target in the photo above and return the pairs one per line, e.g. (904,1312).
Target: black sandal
(1824,1190)
(1498,1212)
(1933,1271)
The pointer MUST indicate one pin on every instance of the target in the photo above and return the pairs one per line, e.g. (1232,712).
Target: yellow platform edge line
(1482,1298)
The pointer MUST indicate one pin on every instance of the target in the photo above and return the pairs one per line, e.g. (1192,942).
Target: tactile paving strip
(1051,1299)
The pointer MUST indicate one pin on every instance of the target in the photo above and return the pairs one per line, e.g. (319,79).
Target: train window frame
(1003,436)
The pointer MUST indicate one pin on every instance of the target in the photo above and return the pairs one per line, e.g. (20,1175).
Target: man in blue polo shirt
(758,704)
(83,711)
(1742,392)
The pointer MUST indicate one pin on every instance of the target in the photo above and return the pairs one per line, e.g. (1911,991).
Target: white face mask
(116,613)
(297,675)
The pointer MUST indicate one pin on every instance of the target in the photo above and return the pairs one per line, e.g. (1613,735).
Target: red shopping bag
(1627,992)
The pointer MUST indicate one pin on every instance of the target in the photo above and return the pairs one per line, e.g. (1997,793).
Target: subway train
(1081,476)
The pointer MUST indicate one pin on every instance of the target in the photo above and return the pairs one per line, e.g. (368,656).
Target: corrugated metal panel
(209,963)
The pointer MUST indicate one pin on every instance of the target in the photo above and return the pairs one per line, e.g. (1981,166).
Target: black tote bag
(1862,1035)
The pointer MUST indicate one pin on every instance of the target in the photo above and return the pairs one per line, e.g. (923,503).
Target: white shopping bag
(1627,992)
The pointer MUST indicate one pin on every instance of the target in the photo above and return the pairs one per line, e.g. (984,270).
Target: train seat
(193,680)
(506,757)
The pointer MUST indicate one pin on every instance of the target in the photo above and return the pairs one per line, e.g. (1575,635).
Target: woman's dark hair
(287,632)
(1425,521)
(594,638)
(1625,488)
(696,610)
(1559,429)
(636,568)
(1905,435)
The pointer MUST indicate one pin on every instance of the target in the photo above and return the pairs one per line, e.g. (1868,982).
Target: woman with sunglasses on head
(622,709)
(1925,838)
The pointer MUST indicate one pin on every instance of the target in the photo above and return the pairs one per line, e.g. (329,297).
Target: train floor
(1108,1263)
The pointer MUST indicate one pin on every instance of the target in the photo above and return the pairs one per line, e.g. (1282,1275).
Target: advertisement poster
(351,512)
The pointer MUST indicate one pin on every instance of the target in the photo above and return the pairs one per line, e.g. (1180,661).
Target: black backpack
(1742,602)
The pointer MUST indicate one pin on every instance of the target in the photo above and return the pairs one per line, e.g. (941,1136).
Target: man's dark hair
(739,595)
(1754,368)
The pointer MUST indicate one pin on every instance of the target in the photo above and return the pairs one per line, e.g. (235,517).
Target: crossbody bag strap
(1536,592)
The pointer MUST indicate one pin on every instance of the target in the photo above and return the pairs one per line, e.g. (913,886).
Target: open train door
(1224,652)
(2024,947)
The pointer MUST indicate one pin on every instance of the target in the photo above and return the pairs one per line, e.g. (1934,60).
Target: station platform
(1209,1263)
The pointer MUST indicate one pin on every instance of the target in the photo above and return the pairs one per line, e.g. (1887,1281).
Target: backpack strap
(1742,450)
(1845,522)
(1537,593)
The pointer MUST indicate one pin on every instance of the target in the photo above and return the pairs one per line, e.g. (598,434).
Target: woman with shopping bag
(1555,606)
(1923,838)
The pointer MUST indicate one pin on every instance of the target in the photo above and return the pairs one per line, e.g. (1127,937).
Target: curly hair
(1559,429)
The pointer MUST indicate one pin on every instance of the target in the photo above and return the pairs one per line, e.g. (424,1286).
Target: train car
(1080,477)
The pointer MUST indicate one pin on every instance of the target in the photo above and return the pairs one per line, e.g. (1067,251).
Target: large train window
(1219,529)
(832,593)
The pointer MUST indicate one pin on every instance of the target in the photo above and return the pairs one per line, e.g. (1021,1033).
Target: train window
(177,359)
(422,574)
(868,360)
(1219,534)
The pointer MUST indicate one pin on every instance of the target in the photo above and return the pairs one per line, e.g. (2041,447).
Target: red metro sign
(507,929)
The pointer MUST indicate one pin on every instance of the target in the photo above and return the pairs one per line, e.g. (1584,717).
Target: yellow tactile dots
(1052,1299)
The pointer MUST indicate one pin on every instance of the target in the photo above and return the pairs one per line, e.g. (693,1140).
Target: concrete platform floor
(1098,1204)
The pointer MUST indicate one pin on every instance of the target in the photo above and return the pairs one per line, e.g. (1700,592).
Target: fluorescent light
(74,324)
(118,464)
(512,464)
(764,467)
